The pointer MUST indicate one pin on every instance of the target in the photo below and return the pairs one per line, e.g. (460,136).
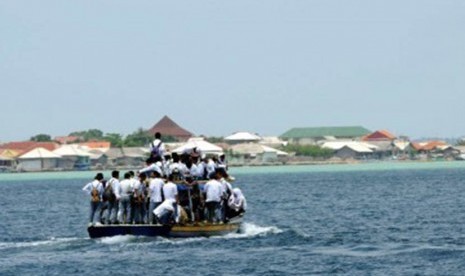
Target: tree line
(138,138)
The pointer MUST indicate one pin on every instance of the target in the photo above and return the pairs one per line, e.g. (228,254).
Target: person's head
(99,176)
(131,173)
(222,172)
(156,174)
(115,174)
(149,161)
(142,177)
(175,157)
(158,135)
(222,157)
(216,174)
(127,175)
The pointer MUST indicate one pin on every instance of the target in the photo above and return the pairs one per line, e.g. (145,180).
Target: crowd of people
(171,188)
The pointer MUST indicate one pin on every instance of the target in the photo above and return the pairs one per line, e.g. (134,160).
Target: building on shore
(168,128)
(38,159)
(242,137)
(315,135)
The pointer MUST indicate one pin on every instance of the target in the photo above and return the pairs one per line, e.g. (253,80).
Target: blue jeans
(153,206)
(213,210)
(110,212)
(124,212)
(94,211)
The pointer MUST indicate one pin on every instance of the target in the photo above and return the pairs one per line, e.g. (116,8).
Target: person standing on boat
(156,194)
(226,192)
(213,191)
(138,200)
(110,198)
(95,190)
(157,147)
(125,192)
(170,190)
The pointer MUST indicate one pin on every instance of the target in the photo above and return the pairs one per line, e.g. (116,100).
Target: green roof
(312,132)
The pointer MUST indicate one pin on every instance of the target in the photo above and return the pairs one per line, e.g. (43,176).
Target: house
(312,135)
(63,140)
(256,153)
(73,157)
(168,127)
(7,159)
(202,145)
(379,135)
(26,146)
(351,149)
(38,159)
(134,156)
(242,137)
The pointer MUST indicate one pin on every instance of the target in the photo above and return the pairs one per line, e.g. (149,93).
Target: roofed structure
(310,135)
(242,137)
(168,127)
(380,135)
(39,153)
(29,145)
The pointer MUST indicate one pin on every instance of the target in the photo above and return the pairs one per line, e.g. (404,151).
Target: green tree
(309,150)
(214,140)
(115,139)
(87,135)
(41,138)
(138,138)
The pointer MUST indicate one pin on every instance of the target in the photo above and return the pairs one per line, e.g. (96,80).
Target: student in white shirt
(213,191)
(165,212)
(95,190)
(157,147)
(125,192)
(138,199)
(156,194)
(110,198)
(237,203)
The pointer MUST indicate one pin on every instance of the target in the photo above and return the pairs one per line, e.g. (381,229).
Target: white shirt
(193,170)
(166,206)
(152,168)
(125,187)
(200,169)
(237,200)
(94,184)
(226,186)
(137,186)
(161,147)
(155,188)
(213,190)
(211,166)
(170,191)
(114,182)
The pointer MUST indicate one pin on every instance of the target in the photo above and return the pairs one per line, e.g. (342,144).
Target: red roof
(29,145)
(168,127)
(379,135)
(66,139)
(429,145)
(97,144)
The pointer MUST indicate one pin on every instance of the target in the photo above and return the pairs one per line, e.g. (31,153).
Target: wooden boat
(172,231)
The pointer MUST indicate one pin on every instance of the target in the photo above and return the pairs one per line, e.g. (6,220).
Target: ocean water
(372,219)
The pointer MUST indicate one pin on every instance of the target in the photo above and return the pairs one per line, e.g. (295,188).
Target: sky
(217,67)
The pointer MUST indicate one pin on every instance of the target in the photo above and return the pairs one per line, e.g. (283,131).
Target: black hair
(115,174)
(127,175)
(131,173)
(157,135)
(99,176)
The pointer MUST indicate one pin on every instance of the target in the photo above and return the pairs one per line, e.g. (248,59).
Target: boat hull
(175,231)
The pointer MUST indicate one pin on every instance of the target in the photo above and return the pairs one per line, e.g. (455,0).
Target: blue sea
(363,219)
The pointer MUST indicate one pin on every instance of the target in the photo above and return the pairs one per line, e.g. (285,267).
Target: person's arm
(87,188)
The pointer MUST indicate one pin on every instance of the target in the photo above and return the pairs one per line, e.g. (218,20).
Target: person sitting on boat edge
(151,166)
(95,190)
(165,212)
(237,203)
(213,191)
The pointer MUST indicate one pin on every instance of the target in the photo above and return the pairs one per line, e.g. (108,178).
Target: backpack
(108,194)
(156,149)
(138,196)
(95,197)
